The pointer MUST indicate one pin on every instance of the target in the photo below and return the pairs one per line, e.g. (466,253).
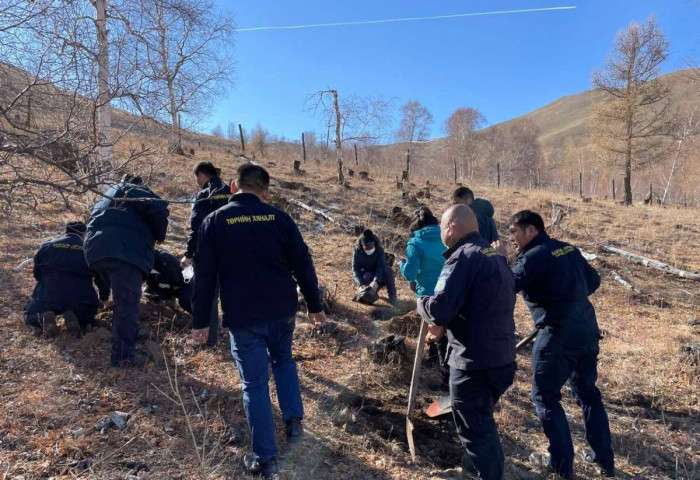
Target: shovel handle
(526,340)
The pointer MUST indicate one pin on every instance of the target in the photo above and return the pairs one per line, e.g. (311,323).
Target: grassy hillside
(55,391)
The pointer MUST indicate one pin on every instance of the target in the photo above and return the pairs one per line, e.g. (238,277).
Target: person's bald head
(457,222)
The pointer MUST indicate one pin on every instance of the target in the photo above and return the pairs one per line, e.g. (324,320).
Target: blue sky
(504,65)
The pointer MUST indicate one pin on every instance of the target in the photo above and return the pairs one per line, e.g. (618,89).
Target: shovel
(417,362)
(443,405)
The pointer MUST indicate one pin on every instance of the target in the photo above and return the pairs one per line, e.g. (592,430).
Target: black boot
(48,324)
(268,469)
(294,430)
(72,323)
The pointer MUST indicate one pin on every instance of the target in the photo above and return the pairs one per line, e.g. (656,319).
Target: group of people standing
(252,257)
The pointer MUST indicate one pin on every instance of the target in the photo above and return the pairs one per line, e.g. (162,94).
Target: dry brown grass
(50,389)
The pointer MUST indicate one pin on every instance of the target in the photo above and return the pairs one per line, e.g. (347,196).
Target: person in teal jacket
(424,258)
(422,268)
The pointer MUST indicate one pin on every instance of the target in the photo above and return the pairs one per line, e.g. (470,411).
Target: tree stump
(364,175)
(192,151)
(297,165)
(351,172)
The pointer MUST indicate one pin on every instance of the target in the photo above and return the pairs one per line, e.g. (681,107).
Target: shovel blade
(441,406)
(409,435)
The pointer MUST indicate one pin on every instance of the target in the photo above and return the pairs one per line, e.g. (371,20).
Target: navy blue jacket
(214,195)
(257,254)
(483,209)
(363,263)
(165,278)
(127,231)
(474,298)
(63,276)
(556,281)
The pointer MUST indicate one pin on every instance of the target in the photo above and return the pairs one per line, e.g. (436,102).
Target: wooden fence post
(580,184)
(303,147)
(240,133)
(356,161)
(498,174)
(613,186)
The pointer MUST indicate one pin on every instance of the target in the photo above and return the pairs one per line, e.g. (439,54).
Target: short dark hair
(464,193)
(527,217)
(422,218)
(252,177)
(132,178)
(207,168)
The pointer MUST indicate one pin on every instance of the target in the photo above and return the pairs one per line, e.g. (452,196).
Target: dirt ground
(186,416)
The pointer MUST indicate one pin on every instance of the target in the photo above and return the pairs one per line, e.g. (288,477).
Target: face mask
(370,251)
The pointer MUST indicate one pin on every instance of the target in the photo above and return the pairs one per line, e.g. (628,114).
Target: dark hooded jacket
(556,281)
(483,209)
(363,263)
(474,298)
(214,195)
(127,231)
(63,276)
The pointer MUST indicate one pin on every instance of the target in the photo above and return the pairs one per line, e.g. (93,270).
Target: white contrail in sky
(409,19)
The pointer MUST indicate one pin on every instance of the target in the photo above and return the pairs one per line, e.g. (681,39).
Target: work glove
(374,286)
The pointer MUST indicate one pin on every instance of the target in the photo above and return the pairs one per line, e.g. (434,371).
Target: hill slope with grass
(186,415)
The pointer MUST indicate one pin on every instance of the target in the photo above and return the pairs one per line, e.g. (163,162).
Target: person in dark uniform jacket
(369,266)
(213,195)
(483,209)
(474,300)
(165,281)
(64,285)
(120,247)
(556,281)
(258,256)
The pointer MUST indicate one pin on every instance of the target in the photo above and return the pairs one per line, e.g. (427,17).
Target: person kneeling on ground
(64,285)
(166,281)
(422,268)
(257,255)
(369,266)
(474,299)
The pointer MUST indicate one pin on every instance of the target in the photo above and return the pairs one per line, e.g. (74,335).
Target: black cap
(76,227)
(367,238)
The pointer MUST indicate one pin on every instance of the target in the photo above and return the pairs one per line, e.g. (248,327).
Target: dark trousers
(388,280)
(556,360)
(125,282)
(474,394)
(254,348)
(34,310)
(214,320)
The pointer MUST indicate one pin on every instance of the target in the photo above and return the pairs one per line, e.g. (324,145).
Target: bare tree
(217,131)
(185,50)
(461,129)
(259,139)
(414,127)
(360,120)
(50,131)
(685,127)
(631,121)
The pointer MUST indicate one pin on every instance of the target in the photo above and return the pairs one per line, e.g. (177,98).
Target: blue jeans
(254,347)
(474,394)
(557,360)
(125,282)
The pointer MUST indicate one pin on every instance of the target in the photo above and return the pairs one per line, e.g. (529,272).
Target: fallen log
(650,262)
(323,215)
(619,279)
